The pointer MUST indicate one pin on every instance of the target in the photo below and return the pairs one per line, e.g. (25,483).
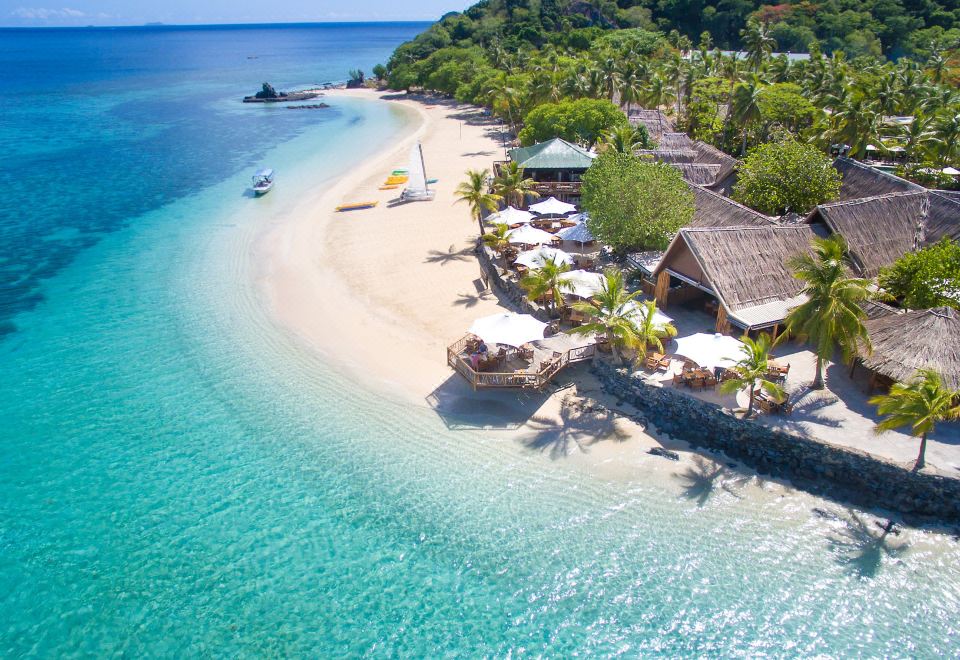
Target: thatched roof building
(859,180)
(715,210)
(916,339)
(744,268)
(881,229)
(654,121)
(698,162)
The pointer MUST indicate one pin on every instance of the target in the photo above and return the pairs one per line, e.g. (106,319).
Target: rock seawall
(508,288)
(839,473)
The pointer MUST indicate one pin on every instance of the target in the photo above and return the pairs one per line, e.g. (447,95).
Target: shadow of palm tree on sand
(452,254)
(861,544)
(702,479)
(580,424)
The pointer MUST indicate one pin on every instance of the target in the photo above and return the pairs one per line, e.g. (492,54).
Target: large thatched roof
(745,267)
(881,229)
(700,163)
(859,180)
(715,210)
(903,343)
(655,122)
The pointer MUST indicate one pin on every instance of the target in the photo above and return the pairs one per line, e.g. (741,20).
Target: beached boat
(417,190)
(262,181)
(356,206)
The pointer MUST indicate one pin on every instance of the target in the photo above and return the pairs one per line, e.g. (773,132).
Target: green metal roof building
(554,155)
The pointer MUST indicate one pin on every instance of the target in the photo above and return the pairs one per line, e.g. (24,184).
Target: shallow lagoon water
(179,476)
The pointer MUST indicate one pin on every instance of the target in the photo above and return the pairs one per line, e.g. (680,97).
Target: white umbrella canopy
(511,216)
(508,328)
(530,236)
(708,350)
(538,257)
(578,232)
(583,283)
(552,206)
(634,308)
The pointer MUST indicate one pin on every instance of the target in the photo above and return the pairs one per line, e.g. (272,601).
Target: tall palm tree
(758,42)
(631,90)
(831,317)
(546,283)
(624,139)
(658,93)
(915,136)
(751,370)
(476,192)
(858,123)
(920,404)
(513,185)
(610,315)
(746,106)
(945,137)
(497,240)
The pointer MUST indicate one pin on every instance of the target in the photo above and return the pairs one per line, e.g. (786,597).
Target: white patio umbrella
(578,232)
(538,257)
(508,328)
(552,206)
(529,236)
(511,216)
(659,318)
(709,351)
(584,284)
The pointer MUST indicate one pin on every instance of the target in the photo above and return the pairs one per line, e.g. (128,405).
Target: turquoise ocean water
(178,477)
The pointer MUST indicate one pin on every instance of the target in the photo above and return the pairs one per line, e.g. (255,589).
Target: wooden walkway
(535,376)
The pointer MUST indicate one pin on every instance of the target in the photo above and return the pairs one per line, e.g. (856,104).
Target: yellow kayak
(356,206)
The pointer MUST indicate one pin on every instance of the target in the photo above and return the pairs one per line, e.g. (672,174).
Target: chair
(695,383)
(710,381)
(678,379)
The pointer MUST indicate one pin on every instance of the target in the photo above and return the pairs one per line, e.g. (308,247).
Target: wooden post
(662,290)
(776,329)
(723,325)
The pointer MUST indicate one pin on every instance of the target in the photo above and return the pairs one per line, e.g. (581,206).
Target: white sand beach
(382,292)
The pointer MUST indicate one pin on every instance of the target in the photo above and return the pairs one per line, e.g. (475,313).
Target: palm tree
(610,315)
(752,370)
(915,135)
(945,137)
(831,317)
(497,239)
(919,404)
(746,106)
(546,282)
(758,42)
(624,139)
(513,186)
(657,93)
(476,192)
(649,332)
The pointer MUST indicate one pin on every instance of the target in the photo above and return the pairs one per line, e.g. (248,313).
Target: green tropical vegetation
(752,369)
(513,185)
(649,331)
(920,405)
(498,239)
(611,317)
(831,318)
(868,61)
(926,278)
(625,139)
(634,203)
(778,177)
(546,283)
(581,121)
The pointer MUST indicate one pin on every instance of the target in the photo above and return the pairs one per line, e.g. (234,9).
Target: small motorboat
(262,181)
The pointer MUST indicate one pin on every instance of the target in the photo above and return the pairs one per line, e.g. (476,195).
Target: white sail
(417,181)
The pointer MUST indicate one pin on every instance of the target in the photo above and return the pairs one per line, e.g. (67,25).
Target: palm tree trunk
(818,376)
(923,449)
(750,404)
(614,350)
(743,149)
(480,221)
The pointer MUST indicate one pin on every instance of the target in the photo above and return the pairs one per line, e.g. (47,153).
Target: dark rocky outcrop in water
(269,95)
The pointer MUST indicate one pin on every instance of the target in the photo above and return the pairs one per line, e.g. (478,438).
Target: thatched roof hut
(715,210)
(698,162)
(655,122)
(881,229)
(859,180)
(745,268)
(916,339)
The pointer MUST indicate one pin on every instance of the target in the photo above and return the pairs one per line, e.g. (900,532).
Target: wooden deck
(515,372)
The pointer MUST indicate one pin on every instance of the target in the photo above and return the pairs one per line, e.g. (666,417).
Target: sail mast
(423,167)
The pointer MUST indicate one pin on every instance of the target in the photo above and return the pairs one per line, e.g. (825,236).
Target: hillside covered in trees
(870,62)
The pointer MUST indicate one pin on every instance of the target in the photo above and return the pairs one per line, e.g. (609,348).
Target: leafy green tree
(752,369)
(920,404)
(582,121)
(633,203)
(475,192)
(785,104)
(610,316)
(547,283)
(786,176)
(831,317)
(513,185)
(927,278)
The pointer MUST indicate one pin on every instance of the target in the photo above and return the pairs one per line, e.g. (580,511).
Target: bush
(634,204)
(786,176)
(927,278)
(582,121)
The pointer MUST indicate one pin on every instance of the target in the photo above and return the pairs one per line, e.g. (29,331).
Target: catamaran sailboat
(417,189)
(262,181)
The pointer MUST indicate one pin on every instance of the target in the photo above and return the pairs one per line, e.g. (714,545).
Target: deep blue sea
(180,478)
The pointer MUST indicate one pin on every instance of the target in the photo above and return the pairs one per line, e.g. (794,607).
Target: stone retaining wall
(509,288)
(842,474)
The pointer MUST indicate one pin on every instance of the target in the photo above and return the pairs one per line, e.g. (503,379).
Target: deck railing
(515,379)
